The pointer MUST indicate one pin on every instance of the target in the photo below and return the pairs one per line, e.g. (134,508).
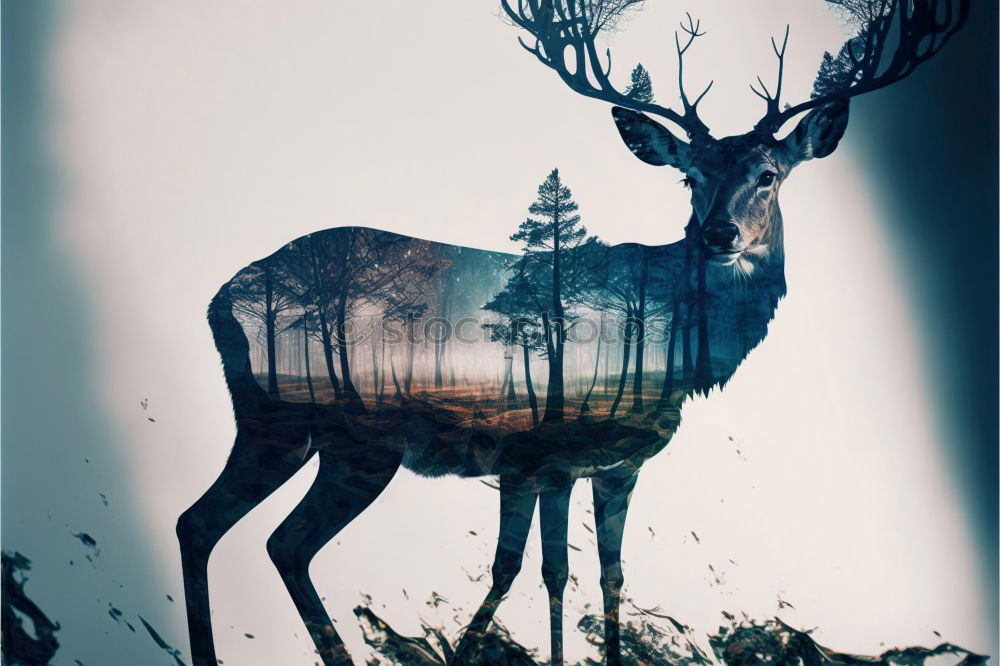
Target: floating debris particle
(86,539)
(162,644)
(784,604)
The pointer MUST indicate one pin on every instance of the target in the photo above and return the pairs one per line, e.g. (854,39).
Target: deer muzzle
(722,239)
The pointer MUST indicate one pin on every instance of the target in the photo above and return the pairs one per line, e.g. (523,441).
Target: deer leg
(347,482)
(553,514)
(517,504)
(246,480)
(611,497)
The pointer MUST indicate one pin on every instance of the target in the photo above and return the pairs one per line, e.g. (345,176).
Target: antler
(691,29)
(773,103)
(922,28)
(556,24)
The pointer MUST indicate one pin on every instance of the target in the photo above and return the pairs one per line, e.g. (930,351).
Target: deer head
(734,181)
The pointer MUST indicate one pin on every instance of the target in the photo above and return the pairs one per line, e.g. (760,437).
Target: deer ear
(650,141)
(818,134)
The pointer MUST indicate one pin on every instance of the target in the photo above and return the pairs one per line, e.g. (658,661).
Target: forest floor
(483,404)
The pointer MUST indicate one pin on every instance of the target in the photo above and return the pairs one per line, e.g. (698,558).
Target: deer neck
(739,301)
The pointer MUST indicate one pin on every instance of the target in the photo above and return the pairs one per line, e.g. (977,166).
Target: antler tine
(693,31)
(558,24)
(921,30)
(781,62)
(773,103)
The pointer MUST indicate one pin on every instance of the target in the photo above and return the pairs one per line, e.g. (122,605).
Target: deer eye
(688,182)
(766,179)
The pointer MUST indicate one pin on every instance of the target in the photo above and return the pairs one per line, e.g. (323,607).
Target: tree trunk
(380,391)
(607,373)
(687,361)
(555,395)
(532,399)
(269,317)
(374,369)
(450,361)
(668,375)
(305,346)
(398,395)
(503,389)
(626,352)
(438,357)
(585,407)
(324,330)
(350,392)
(507,386)
(444,334)
(410,350)
(703,377)
(640,342)
(554,398)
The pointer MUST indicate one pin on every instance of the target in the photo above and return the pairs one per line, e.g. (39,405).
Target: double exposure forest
(570,327)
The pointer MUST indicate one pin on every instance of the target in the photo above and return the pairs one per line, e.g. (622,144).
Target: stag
(727,268)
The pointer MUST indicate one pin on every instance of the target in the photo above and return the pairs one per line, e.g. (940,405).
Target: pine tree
(641,87)
(557,264)
(840,72)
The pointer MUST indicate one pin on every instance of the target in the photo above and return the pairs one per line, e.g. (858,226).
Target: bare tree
(258,295)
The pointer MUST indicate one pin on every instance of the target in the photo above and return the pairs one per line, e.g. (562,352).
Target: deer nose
(721,234)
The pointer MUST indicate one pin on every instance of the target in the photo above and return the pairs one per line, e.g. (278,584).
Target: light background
(188,139)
